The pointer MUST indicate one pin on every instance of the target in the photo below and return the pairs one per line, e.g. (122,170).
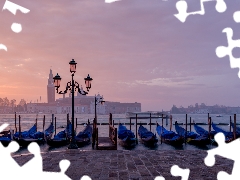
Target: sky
(135,51)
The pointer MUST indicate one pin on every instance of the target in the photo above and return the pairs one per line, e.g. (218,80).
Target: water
(27,120)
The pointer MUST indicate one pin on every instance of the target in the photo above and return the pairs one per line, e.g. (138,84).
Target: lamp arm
(68,87)
(81,91)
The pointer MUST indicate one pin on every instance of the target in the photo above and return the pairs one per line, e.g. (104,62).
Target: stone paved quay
(124,164)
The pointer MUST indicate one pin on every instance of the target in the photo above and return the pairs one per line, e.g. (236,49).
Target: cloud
(169,82)
(126,46)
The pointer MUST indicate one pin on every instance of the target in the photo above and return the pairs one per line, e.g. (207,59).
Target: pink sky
(135,50)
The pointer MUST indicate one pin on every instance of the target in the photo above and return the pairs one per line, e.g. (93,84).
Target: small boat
(219,115)
(169,137)
(84,137)
(49,131)
(62,138)
(203,132)
(26,137)
(26,134)
(32,135)
(126,136)
(6,138)
(228,135)
(147,137)
(192,137)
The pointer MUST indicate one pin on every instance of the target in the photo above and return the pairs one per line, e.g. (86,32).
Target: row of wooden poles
(44,118)
(210,125)
(150,117)
(19,123)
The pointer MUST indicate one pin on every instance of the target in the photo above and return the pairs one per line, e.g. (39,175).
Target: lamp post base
(73,144)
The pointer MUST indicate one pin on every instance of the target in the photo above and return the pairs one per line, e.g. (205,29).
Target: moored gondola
(203,132)
(228,135)
(169,137)
(27,137)
(6,138)
(62,138)
(147,137)
(192,137)
(127,137)
(84,137)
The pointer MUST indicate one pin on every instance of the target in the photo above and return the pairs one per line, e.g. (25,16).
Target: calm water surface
(27,120)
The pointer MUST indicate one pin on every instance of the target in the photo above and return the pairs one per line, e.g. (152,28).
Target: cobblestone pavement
(138,165)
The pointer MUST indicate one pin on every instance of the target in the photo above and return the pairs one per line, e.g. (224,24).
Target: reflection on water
(27,120)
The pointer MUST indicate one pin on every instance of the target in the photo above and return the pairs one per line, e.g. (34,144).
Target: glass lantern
(72,66)
(88,80)
(57,80)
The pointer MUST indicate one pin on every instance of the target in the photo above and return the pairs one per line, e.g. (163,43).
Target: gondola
(49,131)
(84,137)
(26,137)
(62,138)
(32,135)
(127,137)
(147,137)
(228,135)
(203,132)
(6,138)
(169,137)
(192,137)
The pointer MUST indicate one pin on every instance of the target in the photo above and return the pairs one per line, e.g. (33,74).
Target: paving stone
(134,165)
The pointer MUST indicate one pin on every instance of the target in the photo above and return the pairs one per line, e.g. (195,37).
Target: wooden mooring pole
(230,123)
(36,124)
(76,124)
(162,129)
(52,118)
(110,119)
(150,121)
(19,124)
(166,120)
(234,129)
(190,124)
(43,123)
(130,123)
(55,125)
(209,125)
(186,130)
(15,122)
(136,130)
(94,133)
(170,122)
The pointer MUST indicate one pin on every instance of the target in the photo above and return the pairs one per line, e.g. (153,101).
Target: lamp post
(98,100)
(72,86)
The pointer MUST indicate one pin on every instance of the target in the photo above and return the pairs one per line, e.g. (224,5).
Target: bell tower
(50,89)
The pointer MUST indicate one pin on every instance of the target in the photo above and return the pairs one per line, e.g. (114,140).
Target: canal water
(27,120)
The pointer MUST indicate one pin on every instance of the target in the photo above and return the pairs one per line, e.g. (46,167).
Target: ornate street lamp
(72,86)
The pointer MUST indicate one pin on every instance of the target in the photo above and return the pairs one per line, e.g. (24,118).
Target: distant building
(50,89)
(120,108)
(41,108)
